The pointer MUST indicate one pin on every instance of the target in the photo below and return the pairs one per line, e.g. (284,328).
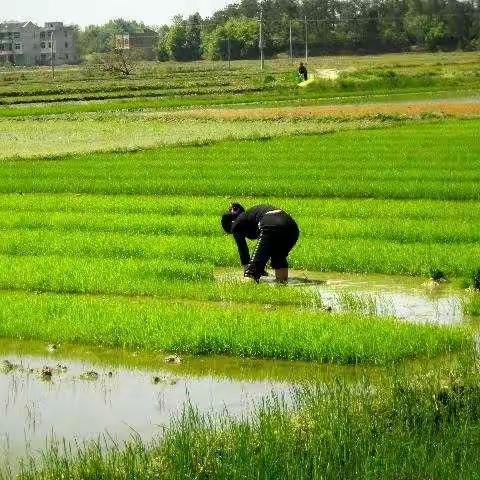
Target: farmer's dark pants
(278,235)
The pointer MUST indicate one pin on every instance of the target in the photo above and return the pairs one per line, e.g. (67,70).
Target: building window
(66,56)
(66,44)
(49,44)
(43,45)
(18,46)
(16,34)
(42,35)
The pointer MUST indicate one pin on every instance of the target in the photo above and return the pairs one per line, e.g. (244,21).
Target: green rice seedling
(215,84)
(471,305)
(312,253)
(204,222)
(203,328)
(362,210)
(96,275)
(113,133)
(409,171)
(367,304)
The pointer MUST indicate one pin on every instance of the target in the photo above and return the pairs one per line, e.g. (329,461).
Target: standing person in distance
(302,71)
(276,232)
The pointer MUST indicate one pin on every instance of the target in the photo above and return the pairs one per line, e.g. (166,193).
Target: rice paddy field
(114,268)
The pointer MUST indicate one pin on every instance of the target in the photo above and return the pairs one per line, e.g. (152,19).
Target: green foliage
(240,34)
(341,26)
(101,38)
(183,40)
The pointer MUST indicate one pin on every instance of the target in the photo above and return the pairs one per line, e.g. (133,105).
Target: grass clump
(407,429)
(471,305)
(476,280)
(437,275)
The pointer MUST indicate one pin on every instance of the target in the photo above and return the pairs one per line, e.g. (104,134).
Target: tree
(193,40)
(183,41)
(118,61)
(163,53)
(242,34)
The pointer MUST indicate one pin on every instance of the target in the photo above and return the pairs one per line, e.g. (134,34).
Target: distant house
(27,44)
(146,42)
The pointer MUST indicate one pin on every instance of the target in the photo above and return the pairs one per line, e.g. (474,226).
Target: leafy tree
(183,41)
(163,54)
(243,35)
(193,41)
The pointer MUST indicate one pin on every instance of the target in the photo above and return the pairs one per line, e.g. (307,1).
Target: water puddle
(413,300)
(405,298)
(82,394)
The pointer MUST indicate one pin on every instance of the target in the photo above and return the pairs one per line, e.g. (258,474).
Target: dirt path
(327,73)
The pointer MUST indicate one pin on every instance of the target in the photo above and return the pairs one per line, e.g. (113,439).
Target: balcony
(7,47)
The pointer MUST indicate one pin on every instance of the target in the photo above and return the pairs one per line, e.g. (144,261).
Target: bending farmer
(277,234)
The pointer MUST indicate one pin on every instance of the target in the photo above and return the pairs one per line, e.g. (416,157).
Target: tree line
(333,26)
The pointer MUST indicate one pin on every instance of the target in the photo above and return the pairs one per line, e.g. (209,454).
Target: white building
(28,44)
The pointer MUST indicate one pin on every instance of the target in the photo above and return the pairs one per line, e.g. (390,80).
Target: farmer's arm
(242,248)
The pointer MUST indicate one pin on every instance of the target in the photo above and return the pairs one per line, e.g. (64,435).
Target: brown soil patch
(460,109)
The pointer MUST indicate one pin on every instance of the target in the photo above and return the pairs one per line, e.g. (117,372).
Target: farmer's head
(230,216)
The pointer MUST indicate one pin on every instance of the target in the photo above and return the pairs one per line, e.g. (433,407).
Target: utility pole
(262,58)
(52,61)
(229,46)
(291,44)
(306,40)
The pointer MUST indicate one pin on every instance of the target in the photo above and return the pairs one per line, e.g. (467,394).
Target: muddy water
(405,298)
(126,392)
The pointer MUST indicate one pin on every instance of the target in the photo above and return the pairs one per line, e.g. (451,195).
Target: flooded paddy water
(405,298)
(84,393)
